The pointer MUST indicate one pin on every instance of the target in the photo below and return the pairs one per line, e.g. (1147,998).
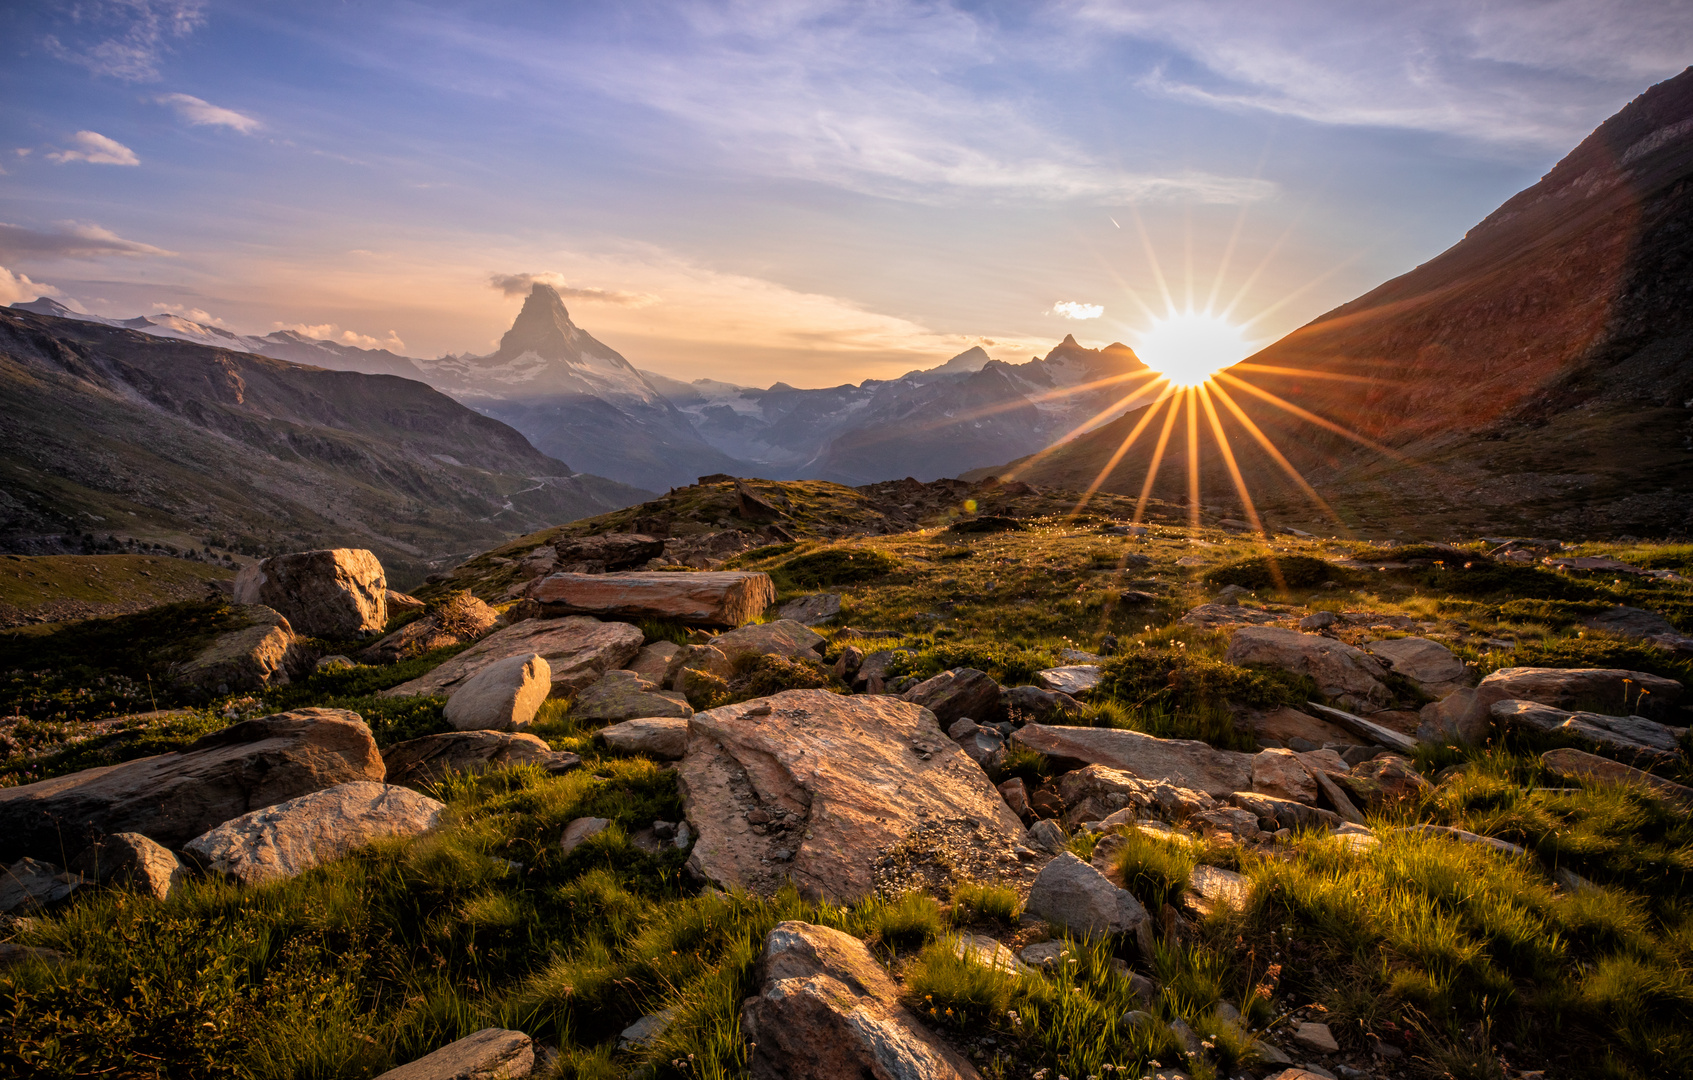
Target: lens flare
(1189,347)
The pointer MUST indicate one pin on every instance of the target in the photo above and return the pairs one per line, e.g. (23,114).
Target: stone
(1213,887)
(1376,733)
(1095,792)
(1185,763)
(813,610)
(1504,847)
(1072,679)
(1047,834)
(843,779)
(653,661)
(12,955)
(608,551)
(333,663)
(1430,665)
(261,652)
(1459,716)
(784,637)
(877,667)
(1285,724)
(986,951)
(505,694)
(1316,1037)
(1281,773)
(1633,740)
(1044,955)
(399,602)
(577,649)
(1638,625)
(1337,798)
(726,598)
(1320,620)
(489,1054)
(846,668)
(1016,795)
(1216,616)
(1031,704)
(825,1010)
(1611,689)
(624,695)
(132,861)
(460,619)
(1227,823)
(332,593)
(173,797)
(418,763)
(664,737)
(579,830)
(1274,813)
(1348,676)
(32,884)
(1072,895)
(291,837)
(962,693)
(1594,769)
(1292,1073)
(701,658)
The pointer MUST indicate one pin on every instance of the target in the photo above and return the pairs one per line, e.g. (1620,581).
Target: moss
(835,566)
(1484,577)
(1276,572)
(1175,679)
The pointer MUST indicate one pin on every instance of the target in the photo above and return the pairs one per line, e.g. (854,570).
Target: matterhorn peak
(543,327)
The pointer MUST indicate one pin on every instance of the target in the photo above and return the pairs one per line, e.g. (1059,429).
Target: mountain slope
(1536,375)
(109,430)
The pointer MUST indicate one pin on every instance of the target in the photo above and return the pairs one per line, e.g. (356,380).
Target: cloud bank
(520,284)
(96,149)
(1070,309)
(17,288)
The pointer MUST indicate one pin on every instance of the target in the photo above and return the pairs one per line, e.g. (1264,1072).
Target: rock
(1228,823)
(1046,834)
(1282,774)
(1589,688)
(1428,664)
(1293,1073)
(1216,616)
(843,778)
(1344,674)
(1214,887)
(846,668)
(1031,704)
(399,602)
(490,1054)
(262,652)
(1365,729)
(417,763)
(132,861)
(291,837)
(986,747)
(702,658)
(1274,813)
(579,830)
(644,1031)
(608,551)
(1331,790)
(664,737)
(701,689)
(333,663)
(1096,792)
(813,610)
(1183,762)
(962,693)
(172,797)
(1072,679)
(1638,625)
(1504,847)
(1044,955)
(1460,715)
(825,1010)
(1286,724)
(31,884)
(784,637)
(1320,620)
(875,669)
(624,695)
(1605,771)
(12,955)
(1188,1037)
(1316,1037)
(1633,740)
(577,649)
(505,694)
(1016,795)
(461,618)
(1046,803)
(987,952)
(1072,895)
(653,661)
(332,593)
(720,598)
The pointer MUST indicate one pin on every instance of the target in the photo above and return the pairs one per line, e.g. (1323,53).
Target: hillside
(108,431)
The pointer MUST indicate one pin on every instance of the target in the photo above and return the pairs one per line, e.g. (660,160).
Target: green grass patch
(1280,572)
(834,566)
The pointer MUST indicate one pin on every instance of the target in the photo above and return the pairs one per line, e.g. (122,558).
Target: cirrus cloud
(1070,309)
(71,240)
(519,284)
(124,39)
(201,113)
(96,149)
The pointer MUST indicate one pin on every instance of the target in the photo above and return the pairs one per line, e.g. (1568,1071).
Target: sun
(1187,348)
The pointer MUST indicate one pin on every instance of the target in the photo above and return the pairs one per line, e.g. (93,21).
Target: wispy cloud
(96,149)
(520,284)
(124,39)
(200,113)
(71,239)
(15,288)
(192,314)
(332,332)
(1070,309)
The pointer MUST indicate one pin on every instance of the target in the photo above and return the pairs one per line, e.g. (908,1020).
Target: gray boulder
(1274,813)
(1185,763)
(962,693)
(31,884)
(1347,675)
(1078,898)
(813,610)
(1031,704)
(1633,740)
(1434,668)
(417,763)
(334,593)
(504,695)
(261,651)
(657,736)
(489,1054)
(624,695)
(132,861)
(578,650)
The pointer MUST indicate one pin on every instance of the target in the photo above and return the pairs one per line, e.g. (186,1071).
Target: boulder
(1368,730)
(664,737)
(608,551)
(1282,774)
(1071,679)
(1214,887)
(1342,673)
(1384,781)
(1077,898)
(577,649)
(1608,690)
(262,651)
(1285,724)
(962,693)
(1032,704)
(1048,836)
(831,783)
(172,797)
(291,837)
(1595,769)
(1184,763)
(653,661)
(877,667)
(1316,1037)
(399,602)
(1460,716)
(1096,792)
(825,1010)
(1016,795)
(333,593)
(1433,667)
(461,618)
(624,695)
(1633,740)
(1274,813)
(1230,824)
(504,695)
(579,830)
(489,1054)
(719,598)
(846,667)
(645,1031)
(417,763)
(813,610)
(1646,626)
(31,884)
(132,861)
(1216,616)
(702,658)
(784,637)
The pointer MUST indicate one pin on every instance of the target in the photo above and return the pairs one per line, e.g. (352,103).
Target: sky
(809,192)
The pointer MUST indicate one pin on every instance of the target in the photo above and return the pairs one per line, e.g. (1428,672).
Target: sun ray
(1157,460)
(1263,264)
(1305,288)
(1228,459)
(1051,395)
(1041,454)
(1306,414)
(1152,259)
(1122,448)
(1228,257)
(1192,458)
(1307,373)
(1276,455)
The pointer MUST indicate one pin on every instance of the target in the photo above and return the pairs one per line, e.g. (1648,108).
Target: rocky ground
(918,780)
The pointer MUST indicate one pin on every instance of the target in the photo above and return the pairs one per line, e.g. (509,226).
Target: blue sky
(810,192)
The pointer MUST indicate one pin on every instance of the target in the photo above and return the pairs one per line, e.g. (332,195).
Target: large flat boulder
(334,592)
(782,637)
(716,598)
(814,787)
(1281,773)
(291,837)
(813,610)
(1434,668)
(489,1054)
(417,763)
(1595,769)
(577,649)
(1072,679)
(959,694)
(624,695)
(1606,690)
(825,1010)
(663,737)
(1639,625)
(170,798)
(1183,762)
(654,660)
(1633,740)
(1286,724)
(1349,676)
(263,651)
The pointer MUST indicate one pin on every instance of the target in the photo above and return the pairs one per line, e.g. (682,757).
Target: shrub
(761,676)
(990,903)
(1156,871)
(1012,665)
(1173,679)
(1483,577)
(835,566)
(1275,571)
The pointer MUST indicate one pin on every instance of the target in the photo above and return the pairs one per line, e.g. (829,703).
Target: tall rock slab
(333,593)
